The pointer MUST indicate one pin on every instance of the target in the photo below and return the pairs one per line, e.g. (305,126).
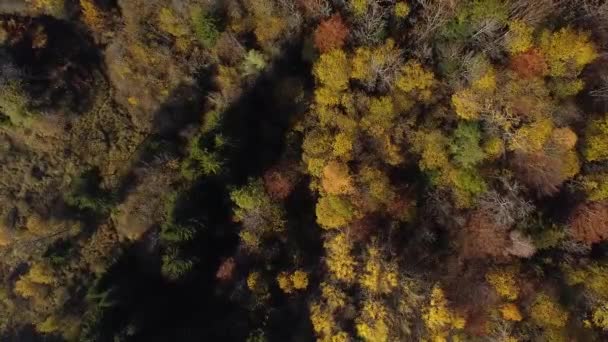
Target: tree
(339,259)
(567,51)
(438,318)
(504,282)
(589,222)
(465,145)
(539,171)
(547,313)
(330,34)
(332,70)
(529,64)
(335,212)
(336,179)
(519,38)
(482,237)
(596,140)
(204,26)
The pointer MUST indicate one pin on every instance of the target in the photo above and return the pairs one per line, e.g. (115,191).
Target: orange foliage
(226,270)
(589,222)
(330,34)
(529,64)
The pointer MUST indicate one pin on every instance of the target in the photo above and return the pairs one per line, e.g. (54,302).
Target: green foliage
(205,26)
(86,194)
(174,266)
(465,146)
(471,15)
(204,155)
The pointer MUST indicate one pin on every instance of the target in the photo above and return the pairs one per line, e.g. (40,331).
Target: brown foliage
(482,237)
(226,270)
(589,222)
(279,182)
(539,171)
(361,229)
(529,64)
(331,34)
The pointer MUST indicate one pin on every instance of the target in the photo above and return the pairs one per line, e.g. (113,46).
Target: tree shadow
(199,307)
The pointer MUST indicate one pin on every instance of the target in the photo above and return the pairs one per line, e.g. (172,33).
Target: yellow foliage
(494,147)
(487,82)
(359,7)
(565,87)
(52,7)
(433,147)
(322,320)
(596,186)
(299,280)
(285,282)
(571,164)
(334,212)
(378,120)
(343,145)
(532,137)
(378,184)
(91,15)
(253,280)
(333,296)
(510,312)
(41,273)
(372,323)
(567,51)
(402,9)
(367,61)
(519,37)
(466,104)
(337,179)
(251,239)
(600,316)
(379,276)
(414,77)
(170,23)
(332,70)
(504,282)
(596,135)
(438,317)
(29,289)
(49,325)
(546,312)
(269,28)
(339,260)
(594,277)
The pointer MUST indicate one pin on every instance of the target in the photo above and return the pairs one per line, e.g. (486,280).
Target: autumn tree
(330,34)
(596,140)
(589,222)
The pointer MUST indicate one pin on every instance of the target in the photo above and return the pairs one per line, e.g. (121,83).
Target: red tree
(331,34)
(529,64)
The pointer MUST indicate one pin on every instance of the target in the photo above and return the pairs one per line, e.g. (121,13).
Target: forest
(304,170)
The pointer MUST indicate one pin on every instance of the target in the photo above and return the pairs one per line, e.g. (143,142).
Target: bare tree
(434,14)
(506,207)
(522,246)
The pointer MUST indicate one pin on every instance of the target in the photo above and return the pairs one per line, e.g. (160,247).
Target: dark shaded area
(59,62)
(199,307)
